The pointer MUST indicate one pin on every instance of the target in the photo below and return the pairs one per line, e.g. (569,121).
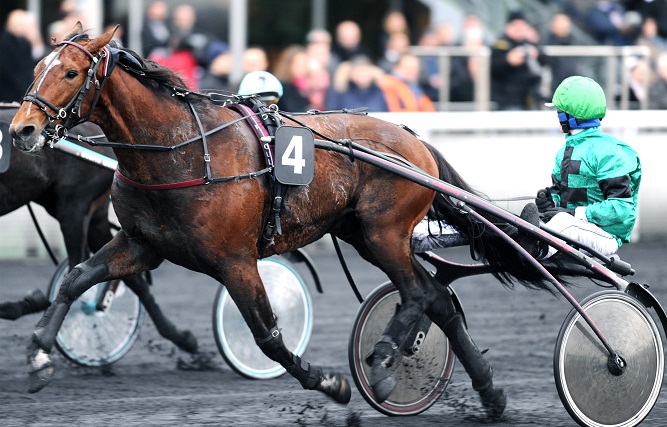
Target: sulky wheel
(589,391)
(90,335)
(423,372)
(291,303)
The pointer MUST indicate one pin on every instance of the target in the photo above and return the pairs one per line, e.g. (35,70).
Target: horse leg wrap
(479,370)
(48,326)
(467,352)
(34,302)
(309,376)
(385,348)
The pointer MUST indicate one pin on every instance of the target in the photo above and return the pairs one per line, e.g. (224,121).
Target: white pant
(582,231)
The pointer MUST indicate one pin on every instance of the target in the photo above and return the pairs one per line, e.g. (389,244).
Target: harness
(264,121)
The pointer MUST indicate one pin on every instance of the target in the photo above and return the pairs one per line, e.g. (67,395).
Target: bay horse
(76,194)
(190,188)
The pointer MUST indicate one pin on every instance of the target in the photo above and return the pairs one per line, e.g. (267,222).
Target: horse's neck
(130,112)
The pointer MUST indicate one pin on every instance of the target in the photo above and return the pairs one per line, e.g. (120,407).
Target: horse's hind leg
(443,313)
(184,339)
(245,287)
(119,258)
(415,298)
(99,233)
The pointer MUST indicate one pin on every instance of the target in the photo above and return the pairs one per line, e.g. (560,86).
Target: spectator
(216,76)
(185,47)
(355,85)
(465,69)
(657,10)
(319,82)
(402,90)
(606,23)
(155,31)
(292,71)
(560,34)
(318,48)
(429,65)
(348,42)
(659,89)
(649,37)
(397,45)
(21,47)
(515,65)
(642,80)
(393,22)
(254,59)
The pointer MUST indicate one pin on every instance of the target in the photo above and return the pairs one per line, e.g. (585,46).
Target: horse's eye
(71,74)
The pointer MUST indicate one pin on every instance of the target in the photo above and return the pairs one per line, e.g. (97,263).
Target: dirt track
(145,388)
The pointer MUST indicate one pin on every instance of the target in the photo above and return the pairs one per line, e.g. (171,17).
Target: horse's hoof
(336,386)
(384,388)
(494,402)
(41,371)
(197,362)
(187,342)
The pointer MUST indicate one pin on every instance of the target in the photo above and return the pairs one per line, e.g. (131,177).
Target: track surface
(145,388)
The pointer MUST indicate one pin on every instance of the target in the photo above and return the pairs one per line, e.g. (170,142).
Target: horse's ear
(98,43)
(78,29)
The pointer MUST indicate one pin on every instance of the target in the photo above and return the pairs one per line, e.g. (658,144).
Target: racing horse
(76,194)
(192,187)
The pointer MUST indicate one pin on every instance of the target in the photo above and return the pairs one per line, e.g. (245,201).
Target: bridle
(72,109)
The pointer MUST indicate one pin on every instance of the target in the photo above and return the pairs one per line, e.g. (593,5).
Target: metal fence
(616,79)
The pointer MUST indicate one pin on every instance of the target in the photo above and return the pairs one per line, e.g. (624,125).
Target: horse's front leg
(121,257)
(245,287)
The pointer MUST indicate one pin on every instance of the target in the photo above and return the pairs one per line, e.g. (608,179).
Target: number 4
(295,146)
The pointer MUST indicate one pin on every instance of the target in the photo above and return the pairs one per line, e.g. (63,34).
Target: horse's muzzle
(26,138)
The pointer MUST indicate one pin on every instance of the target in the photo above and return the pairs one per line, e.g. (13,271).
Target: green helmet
(580,97)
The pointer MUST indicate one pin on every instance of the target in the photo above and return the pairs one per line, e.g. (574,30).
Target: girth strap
(264,123)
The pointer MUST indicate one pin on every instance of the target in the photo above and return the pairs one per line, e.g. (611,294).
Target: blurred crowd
(335,70)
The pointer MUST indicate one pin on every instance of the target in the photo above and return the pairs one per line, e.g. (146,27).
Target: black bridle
(71,112)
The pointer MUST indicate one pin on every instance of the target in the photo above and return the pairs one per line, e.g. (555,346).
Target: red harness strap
(170,186)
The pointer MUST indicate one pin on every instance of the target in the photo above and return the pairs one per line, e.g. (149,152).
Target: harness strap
(191,182)
(207,156)
(264,122)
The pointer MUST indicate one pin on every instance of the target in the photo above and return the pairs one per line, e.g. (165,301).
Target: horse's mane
(150,73)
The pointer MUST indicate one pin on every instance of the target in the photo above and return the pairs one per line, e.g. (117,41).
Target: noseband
(73,107)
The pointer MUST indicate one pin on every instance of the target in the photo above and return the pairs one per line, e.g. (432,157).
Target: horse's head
(64,86)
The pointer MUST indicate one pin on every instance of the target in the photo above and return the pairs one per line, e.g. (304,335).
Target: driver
(596,177)
(595,182)
(261,83)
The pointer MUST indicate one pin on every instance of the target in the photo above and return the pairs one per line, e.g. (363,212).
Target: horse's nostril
(27,131)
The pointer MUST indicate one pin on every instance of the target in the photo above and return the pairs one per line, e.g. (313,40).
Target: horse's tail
(507,263)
